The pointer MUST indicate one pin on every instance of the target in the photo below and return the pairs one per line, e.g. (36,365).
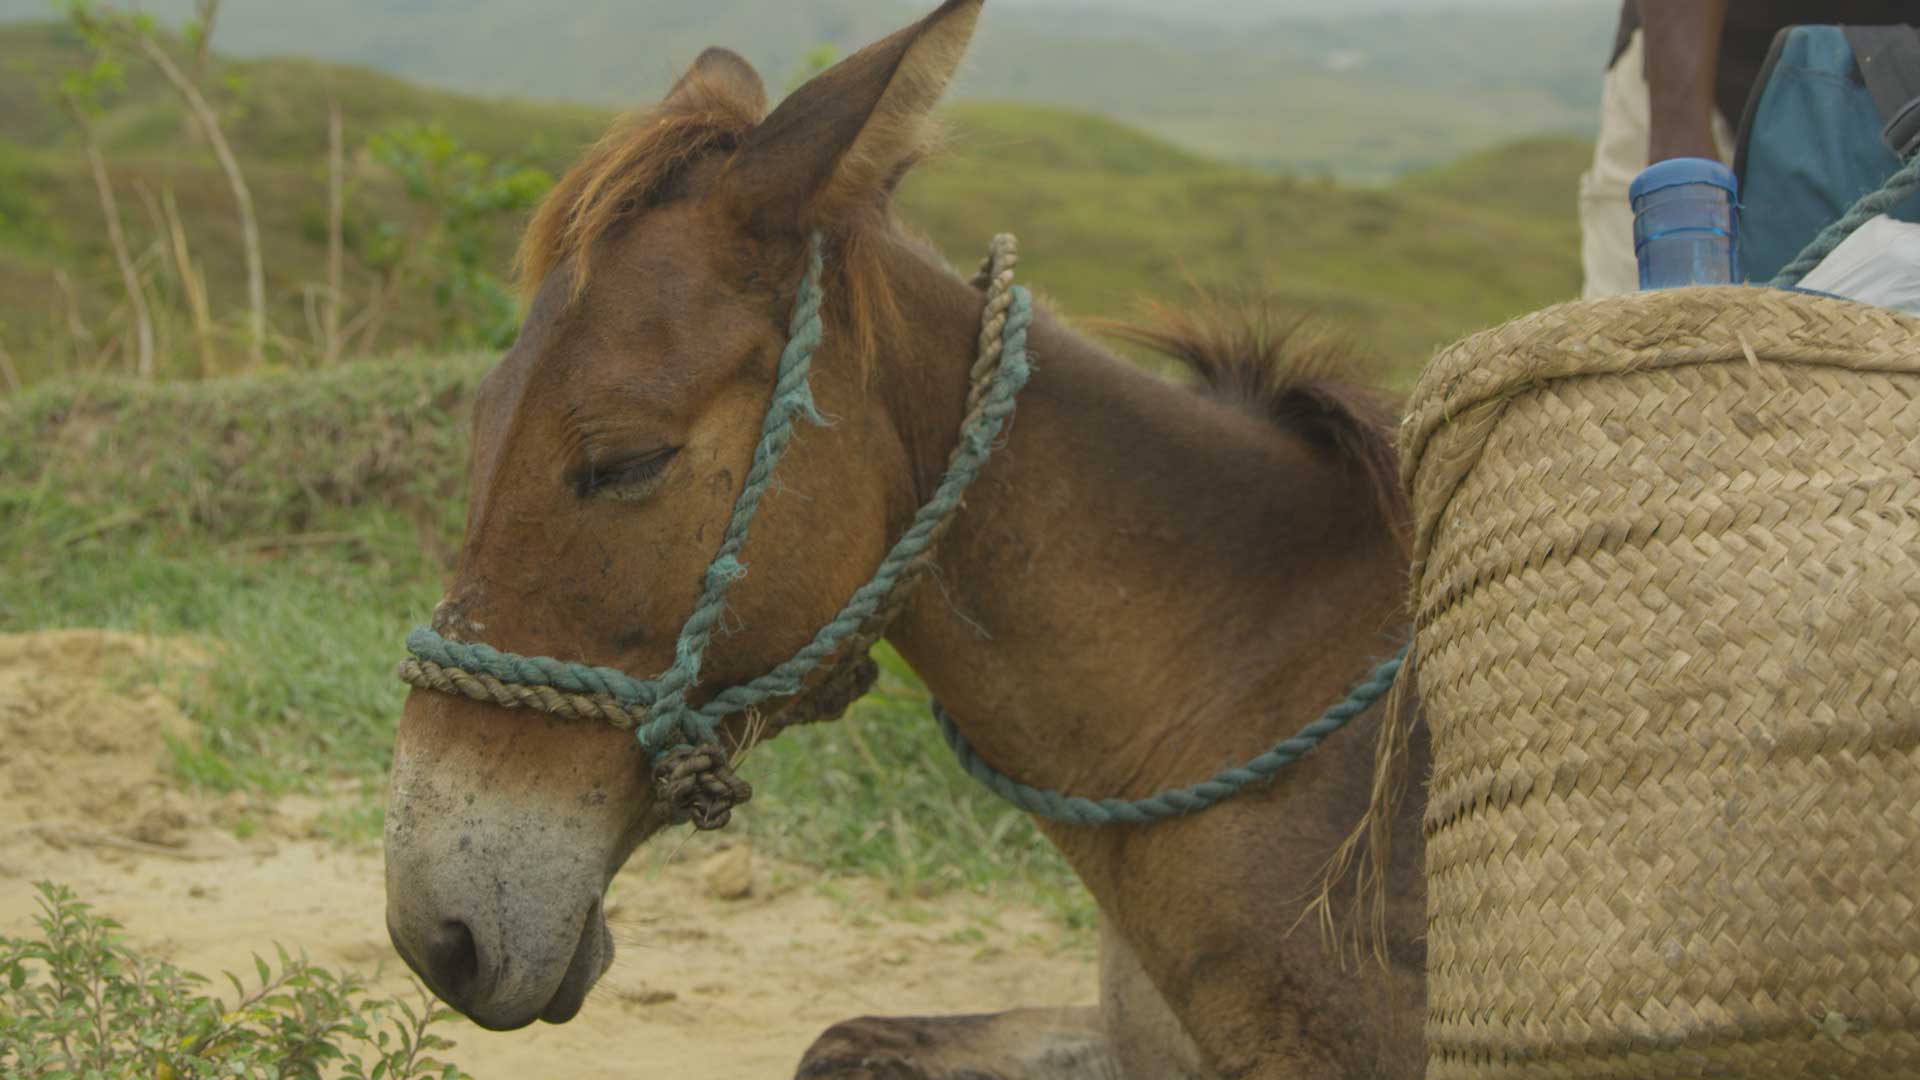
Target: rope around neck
(1173,802)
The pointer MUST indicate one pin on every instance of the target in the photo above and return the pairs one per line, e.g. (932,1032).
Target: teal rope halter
(684,739)
(671,722)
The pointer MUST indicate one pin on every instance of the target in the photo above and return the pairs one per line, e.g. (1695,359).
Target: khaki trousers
(1619,154)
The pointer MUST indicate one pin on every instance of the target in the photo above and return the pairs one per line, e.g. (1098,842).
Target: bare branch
(9,373)
(192,282)
(78,335)
(116,238)
(242,196)
(206,11)
(336,214)
(151,265)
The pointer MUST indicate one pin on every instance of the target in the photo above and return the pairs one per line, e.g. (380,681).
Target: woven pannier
(1667,583)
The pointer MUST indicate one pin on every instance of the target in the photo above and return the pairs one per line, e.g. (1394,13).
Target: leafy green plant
(465,197)
(77,1002)
(103,71)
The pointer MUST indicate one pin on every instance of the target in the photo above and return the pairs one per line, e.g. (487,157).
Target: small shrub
(468,197)
(78,1002)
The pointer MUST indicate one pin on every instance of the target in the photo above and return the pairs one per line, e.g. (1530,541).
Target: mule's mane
(1251,354)
(633,166)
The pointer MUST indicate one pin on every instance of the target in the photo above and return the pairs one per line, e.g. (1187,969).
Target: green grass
(296,526)
(1534,179)
(878,792)
(274,110)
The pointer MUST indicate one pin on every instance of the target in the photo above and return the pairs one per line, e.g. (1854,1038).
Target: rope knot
(725,571)
(697,784)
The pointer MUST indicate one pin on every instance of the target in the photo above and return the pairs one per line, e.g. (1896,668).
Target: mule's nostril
(454,959)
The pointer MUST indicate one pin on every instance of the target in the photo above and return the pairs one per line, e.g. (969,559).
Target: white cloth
(1878,264)
(1619,155)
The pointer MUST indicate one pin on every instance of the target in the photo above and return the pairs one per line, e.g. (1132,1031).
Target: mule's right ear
(843,138)
(722,75)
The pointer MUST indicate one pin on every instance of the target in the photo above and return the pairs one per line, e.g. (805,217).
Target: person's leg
(1619,155)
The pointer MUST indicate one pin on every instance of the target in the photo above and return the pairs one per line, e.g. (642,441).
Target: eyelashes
(626,479)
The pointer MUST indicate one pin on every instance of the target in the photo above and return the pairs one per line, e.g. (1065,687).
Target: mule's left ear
(719,75)
(842,139)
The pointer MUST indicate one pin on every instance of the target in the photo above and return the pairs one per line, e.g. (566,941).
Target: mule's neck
(1144,584)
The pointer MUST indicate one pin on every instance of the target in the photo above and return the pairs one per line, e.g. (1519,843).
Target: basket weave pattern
(1668,615)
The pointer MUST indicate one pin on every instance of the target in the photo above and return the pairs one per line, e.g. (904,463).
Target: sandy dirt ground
(703,987)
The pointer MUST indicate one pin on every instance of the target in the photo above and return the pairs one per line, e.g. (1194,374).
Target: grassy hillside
(1364,97)
(1108,214)
(1403,269)
(276,116)
(1530,179)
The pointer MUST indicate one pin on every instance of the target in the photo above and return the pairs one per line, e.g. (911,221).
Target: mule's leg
(1148,1040)
(1024,1044)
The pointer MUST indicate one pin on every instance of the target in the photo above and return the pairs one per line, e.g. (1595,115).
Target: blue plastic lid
(1674,172)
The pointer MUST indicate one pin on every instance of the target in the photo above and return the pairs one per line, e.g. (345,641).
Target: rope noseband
(692,771)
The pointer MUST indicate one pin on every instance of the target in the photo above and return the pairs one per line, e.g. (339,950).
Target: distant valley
(1361,97)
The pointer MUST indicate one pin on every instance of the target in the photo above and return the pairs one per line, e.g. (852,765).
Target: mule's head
(608,448)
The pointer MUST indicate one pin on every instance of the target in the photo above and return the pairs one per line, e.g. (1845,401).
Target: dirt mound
(85,731)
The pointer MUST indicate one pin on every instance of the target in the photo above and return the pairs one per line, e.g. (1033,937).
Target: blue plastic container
(1684,223)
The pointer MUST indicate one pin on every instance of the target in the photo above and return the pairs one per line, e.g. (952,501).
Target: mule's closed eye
(625,478)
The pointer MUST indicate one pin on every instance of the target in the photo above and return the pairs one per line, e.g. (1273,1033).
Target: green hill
(1402,269)
(1107,214)
(1364,96)
(1535,178)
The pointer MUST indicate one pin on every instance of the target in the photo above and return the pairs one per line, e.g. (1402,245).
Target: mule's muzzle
(474,972)
(502,832)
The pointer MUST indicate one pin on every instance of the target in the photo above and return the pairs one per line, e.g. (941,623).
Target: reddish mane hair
(630,168)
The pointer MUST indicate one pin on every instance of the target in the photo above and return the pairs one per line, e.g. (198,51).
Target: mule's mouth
(591,959)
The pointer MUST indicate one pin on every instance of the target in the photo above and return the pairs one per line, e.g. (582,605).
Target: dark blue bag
(1819,133)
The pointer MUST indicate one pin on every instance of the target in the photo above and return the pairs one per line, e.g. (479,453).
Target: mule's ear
(843,138)
(724,75)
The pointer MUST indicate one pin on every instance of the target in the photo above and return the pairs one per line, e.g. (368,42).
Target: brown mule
(1146,583)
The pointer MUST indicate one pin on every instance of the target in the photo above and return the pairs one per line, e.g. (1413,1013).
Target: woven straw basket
(1668,616)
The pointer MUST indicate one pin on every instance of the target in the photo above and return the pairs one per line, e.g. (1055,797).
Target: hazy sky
(1234,11)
